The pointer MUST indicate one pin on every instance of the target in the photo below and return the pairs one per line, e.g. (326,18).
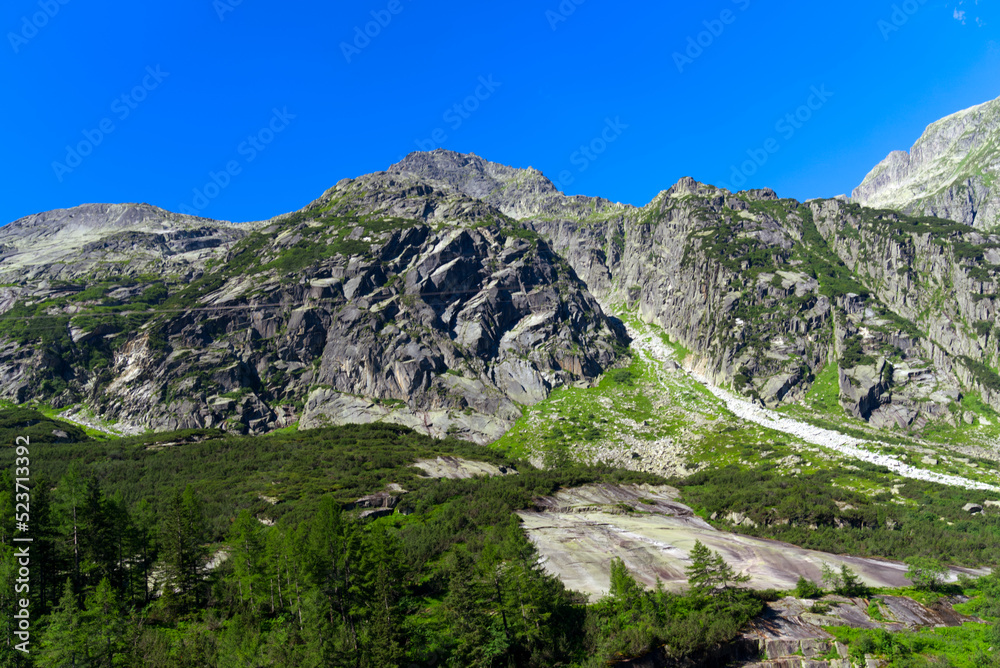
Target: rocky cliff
(384,300)
(949,173)
(448,292)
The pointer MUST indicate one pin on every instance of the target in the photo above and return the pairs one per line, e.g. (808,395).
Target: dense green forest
(126,566)
(198,549)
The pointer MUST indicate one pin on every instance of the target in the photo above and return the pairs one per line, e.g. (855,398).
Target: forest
(198,549)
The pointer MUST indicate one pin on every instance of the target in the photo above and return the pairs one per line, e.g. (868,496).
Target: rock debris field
(832,440)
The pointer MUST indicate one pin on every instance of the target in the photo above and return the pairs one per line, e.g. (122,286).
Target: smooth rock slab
(578,548)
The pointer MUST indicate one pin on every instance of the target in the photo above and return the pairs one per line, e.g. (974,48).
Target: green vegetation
(729,243)
(853,354)
(36,427)
(807,589)
(817,510)
(820,262)
(983,374)
(845,582)
(824,394)
(631,621)
(450,576)
(966,646)
(925,573)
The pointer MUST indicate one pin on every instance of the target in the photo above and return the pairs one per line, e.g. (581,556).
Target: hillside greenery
(125,531)
(818,511)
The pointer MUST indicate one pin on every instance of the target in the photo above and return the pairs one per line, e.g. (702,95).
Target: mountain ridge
(490,281)
(950,171)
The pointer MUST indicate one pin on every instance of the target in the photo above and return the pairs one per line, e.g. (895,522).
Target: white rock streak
(846,445)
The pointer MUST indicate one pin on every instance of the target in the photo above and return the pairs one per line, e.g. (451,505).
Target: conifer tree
(64,642)
(104,623)
(328,555)
(45,574)
(700,573)
(382,579)
(182,540)
(70,497)
(246,544)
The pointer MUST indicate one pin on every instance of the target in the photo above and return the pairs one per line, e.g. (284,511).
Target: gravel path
(847,445)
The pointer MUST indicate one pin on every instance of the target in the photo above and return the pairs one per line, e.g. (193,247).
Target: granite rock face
(766,292)
(949,173)
(110,239)
(446,320)
(448,292)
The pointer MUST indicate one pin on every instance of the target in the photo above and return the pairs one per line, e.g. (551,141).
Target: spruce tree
(182,540)
(104,623)
(64,641)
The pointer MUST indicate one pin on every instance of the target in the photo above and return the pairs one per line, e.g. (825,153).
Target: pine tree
(328,556)
(725,575)
(139,538)
(246,544)
(700,573)
(182,539)
(6,508)
(624,588)
(96,554)
(64,642)
(69,497)
(104,623)
(382,578)
(45,576)
(468,608)
(709,572)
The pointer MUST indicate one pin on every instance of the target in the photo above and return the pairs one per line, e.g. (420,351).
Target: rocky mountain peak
(518,192)
(950,172)
(63,242)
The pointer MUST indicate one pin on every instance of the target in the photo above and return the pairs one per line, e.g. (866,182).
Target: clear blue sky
(222,69)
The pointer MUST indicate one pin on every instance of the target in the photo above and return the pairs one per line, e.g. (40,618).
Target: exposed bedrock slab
(578,532)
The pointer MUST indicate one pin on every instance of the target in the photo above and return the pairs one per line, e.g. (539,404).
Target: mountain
(112,239)
(450,294)
(950,172)
(386,299)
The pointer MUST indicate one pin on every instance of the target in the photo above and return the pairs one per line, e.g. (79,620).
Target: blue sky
(261,106)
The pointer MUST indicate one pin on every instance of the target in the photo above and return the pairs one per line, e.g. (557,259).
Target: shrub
(807,589)
(925,573)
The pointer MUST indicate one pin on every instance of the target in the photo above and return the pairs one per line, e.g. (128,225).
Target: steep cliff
(446,320)
(448,292)
(950,172)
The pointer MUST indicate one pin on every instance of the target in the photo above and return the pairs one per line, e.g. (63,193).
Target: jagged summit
(517,192)
(950,172)
(448,290)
